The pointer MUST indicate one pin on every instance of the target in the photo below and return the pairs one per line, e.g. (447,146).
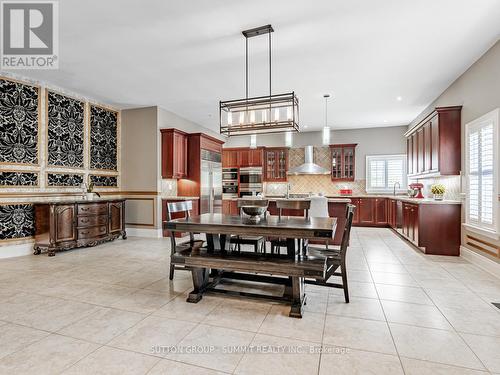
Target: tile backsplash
(303,184)
(169,187)
(452,184)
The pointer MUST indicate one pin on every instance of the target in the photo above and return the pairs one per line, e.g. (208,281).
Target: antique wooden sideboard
(71,224)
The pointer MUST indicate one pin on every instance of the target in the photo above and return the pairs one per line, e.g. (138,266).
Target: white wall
(371,141)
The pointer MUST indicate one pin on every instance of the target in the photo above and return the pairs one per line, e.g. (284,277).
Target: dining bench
(251,266)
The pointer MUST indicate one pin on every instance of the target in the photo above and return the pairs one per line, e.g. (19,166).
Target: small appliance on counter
(415,190)
(345,192)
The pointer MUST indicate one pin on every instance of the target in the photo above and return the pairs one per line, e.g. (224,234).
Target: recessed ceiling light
(399,98)
(385,121)
(305,126)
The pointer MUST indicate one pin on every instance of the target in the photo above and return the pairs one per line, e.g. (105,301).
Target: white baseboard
(18,250)
(144,232)
(481,261)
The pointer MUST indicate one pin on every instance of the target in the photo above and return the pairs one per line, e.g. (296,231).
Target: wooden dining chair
(258,242)
(178,207)
(304,206)
(336,258)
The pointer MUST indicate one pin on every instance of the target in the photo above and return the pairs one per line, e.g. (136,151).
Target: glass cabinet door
(348,163)
(336,163)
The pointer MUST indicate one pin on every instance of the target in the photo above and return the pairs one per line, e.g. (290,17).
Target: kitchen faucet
(394,187)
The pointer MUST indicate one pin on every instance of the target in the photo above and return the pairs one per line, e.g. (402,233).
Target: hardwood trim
(18,239)
(76,193)
(484,242)
(483,249)
(338,145)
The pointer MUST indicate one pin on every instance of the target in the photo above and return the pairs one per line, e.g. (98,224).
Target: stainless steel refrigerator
(211,182)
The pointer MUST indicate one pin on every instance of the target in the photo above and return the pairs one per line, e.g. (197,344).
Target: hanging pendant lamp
(262,114)
(326,128)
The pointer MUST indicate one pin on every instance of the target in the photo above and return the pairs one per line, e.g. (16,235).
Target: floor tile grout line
(452,326)
(323,333)
(389,328)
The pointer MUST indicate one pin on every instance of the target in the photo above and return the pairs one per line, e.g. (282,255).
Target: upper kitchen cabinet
(343,162)
(433,146)
(242,157)
(229,158)
(275,164)
(174,144)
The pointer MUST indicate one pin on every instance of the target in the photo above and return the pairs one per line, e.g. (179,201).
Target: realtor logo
(30,37)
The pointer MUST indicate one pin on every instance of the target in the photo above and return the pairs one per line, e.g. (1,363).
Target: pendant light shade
(326,128)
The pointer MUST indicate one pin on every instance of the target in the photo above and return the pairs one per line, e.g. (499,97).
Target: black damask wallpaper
(65,131)
(103,138)
(18,123)
(107,181)
(64,179)
(9,178)
(16,221)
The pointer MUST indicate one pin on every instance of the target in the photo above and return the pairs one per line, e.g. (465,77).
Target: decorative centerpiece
(254,208)
(438,190)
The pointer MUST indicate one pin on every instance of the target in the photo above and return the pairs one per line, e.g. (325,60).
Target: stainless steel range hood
(309,167)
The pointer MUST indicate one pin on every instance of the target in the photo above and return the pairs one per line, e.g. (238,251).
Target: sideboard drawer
(92,232)
(92,209)
(90,221)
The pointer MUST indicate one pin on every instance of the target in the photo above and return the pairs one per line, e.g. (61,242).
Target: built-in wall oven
(229,183)
(230,174)
(250,181)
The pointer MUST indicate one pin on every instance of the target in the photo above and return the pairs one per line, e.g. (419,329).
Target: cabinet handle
(85,221)
(85,208)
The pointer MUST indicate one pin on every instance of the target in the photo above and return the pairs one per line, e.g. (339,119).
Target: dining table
(218,260)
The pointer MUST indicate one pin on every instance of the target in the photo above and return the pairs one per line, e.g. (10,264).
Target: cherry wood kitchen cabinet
(229,158)
(174,145)
(242,157)
(392,213)
(275,164)
(381,211)
(230,207)
(68,225)
(434,145)
(343,162)
(410,222)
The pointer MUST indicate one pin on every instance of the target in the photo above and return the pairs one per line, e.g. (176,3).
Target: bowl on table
(254,208)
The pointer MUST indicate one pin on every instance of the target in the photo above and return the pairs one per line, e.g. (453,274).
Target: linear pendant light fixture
(262,114)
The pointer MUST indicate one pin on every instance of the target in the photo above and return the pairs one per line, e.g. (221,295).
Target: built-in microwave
(251,175)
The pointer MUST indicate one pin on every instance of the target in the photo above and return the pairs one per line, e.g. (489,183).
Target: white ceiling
(185,55)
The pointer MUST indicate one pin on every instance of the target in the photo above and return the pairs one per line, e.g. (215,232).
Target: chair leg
(172,268)
(344,284)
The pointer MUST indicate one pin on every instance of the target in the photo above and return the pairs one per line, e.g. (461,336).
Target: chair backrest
(175,207)
(293,205)
(319,207)
(347,230)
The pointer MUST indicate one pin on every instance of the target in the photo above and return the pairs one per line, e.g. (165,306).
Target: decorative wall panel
(65,119)
(13,178)
(107,181)
(103,138)
(16,221)
(64,179)
(19,122)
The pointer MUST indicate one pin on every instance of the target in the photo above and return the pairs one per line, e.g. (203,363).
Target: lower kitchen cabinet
(370,212)
(434,228)
(230,207)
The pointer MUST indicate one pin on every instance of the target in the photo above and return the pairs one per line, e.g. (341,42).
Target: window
(383,171)
(481,173)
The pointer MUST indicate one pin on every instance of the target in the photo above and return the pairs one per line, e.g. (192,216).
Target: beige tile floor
(110,309)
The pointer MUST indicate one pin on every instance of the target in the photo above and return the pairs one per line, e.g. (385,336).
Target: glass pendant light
(229,118)
(253,140)
(326,129)
(288,139)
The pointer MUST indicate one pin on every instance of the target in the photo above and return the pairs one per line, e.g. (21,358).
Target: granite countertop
(178,198)
(281,198)
(402,198)
(61,199)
